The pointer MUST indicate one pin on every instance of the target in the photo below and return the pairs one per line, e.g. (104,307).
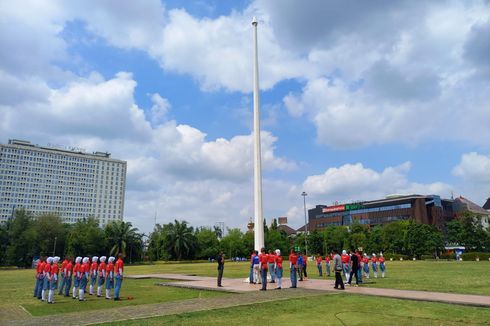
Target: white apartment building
(68,182)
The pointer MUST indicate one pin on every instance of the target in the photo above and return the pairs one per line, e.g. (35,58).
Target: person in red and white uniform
(46,275)
(382,265)
(109,283)
(102,275)
(264,260)
(84,276)
(278,268)
(94,267)
(119,271)
(77,270)
(365,262)
(68,276)
(53,279)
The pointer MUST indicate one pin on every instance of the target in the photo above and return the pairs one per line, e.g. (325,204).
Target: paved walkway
(239,286)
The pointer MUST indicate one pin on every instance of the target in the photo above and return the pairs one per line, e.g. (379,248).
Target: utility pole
(304,194)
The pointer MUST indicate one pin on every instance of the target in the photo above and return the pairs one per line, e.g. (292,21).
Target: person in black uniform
(221,267)
(355,266)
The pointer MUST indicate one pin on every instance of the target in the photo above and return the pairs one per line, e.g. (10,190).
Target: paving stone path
(247,294)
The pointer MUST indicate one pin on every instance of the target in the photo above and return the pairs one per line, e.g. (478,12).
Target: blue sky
(358,101)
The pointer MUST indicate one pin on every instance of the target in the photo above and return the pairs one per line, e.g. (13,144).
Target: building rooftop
(289,230)
(471,206)
(487,204)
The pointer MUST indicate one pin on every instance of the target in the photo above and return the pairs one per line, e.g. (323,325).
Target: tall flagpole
(259,220)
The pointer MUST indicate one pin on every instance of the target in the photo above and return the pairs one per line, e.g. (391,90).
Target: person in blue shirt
(301,265)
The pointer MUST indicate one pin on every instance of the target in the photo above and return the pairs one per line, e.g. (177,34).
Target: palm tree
(120,235)
(181,239)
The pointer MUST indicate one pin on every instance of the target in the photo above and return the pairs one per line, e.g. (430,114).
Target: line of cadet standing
(81,272)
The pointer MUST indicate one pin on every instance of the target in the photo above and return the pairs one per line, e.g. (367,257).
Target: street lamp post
(304,194)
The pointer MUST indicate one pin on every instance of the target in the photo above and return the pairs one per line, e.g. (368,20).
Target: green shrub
(396,256)
(472,255)
(448,256)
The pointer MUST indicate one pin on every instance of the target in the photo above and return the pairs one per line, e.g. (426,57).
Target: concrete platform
(239,286)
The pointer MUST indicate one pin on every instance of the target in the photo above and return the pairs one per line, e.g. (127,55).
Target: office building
(67,182)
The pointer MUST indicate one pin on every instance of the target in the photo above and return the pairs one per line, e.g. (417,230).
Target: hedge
(473,255)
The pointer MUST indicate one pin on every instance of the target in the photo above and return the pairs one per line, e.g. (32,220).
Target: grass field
(340,309)
(16,289)
(440,276)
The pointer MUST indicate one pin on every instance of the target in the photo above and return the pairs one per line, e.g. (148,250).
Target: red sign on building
(330,209)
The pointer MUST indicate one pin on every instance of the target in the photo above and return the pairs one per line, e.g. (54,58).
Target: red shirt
(63,264)
(319,260)
(305,260)
(102,267)
(365,260)
(47,268)
(119,266)
(110,268)
(279,261)
(77,268)
(327,259)
(93,267)
(85,268)
(345,259)
(54,269)
(263,258)
(272,258)
(293,259)
(40,267)
(374,260)
(68,268)
(381,259)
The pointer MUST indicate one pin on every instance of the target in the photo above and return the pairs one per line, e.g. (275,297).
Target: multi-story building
(67,182)
(423,209)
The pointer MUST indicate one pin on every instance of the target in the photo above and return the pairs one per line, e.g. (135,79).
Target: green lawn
(340,309)
(16,287)
(441,276)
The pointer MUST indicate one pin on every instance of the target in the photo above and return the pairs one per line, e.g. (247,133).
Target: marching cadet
(53,279)
(77,275)
(293,260)
(102,275)
(46,273)
(93,274)
(278,268)
(109,284)
(62,283)
(365,262)
(68,276)
(382,265)
(345,263)
(84,278)
(119,270)
(374,260)
(327,264)
(263,257)
(39,277)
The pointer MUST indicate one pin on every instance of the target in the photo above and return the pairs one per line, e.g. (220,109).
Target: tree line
(27,236)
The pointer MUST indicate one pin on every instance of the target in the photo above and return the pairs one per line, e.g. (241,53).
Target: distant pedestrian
(278,269)
(354,268)
(264,260)
(293,261)
(337,267)
(300,266)
(251,274)
(359,269)
(256,267)
(382,265)
(374,265)
(305,265)
(271,264)
(327,264)
(345,264)
(319,265)
(221,267)
(365,262)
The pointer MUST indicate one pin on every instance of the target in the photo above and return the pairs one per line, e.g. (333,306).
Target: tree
(393,236)
(207,243)
(180,240)
(374,242)
(276,240)
(337,237)
(423,239)
(358,236)
(52,231)
(120,236)
(86,239)
(22,239)
(232,244)
(455,232)
(315,243)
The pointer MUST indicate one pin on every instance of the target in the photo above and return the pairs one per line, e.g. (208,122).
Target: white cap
(365,254)
(111,259)
(278,252)
(374,255)
(49,260)
(78,259)
(56,259)
(85,260)
(102,259)
(94,259)
(344,252)
(381,254)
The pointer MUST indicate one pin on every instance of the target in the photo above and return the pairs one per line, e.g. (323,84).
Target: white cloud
(351,182)
(474,167)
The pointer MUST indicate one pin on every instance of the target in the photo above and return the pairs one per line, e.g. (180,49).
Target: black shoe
(98,296)
(262,290)
(220,286)
(273,281)
(293,287)
(117,299)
